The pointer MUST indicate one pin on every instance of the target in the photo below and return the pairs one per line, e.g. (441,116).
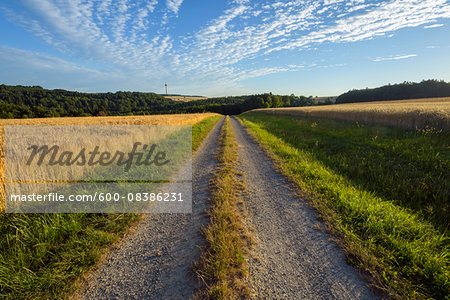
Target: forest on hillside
(405,90)
(37,102)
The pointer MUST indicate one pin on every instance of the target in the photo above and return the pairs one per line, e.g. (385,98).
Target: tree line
(37,102)
(405,90)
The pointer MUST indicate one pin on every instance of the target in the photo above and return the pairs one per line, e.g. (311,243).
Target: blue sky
(216,48)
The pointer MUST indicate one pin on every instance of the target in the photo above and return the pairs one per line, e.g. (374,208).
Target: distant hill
(406,90)
(37,102)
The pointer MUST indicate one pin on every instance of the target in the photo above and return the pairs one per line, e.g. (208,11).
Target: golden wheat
(414,114)
(179,119)
(185,98)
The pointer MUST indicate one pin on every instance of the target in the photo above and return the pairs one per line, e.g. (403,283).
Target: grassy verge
(201,130)
(41,255)
(364,182)
(222,267)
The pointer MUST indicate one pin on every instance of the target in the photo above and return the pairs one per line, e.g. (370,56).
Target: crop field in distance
(185,98)
(414,113)
(178,119)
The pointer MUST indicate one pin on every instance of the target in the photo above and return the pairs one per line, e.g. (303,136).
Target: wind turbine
(166,87)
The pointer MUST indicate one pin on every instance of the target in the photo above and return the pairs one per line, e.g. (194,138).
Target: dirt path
(153,262)
(294,260)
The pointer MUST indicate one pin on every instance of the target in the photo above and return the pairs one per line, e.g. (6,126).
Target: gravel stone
(154,260)
(294,259)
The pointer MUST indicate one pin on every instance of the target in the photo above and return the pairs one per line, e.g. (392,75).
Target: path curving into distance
(293,260)
(154,260)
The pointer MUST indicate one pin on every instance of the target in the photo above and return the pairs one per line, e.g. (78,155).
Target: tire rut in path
(293,259)
(154,260)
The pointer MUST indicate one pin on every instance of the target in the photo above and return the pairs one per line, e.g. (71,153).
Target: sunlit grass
(365,182)
(411,113)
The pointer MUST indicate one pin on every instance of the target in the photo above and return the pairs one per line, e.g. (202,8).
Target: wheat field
(414,114)
(185,98)
(178,119)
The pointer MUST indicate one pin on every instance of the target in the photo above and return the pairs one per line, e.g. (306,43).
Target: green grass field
(41,255)
(382,189)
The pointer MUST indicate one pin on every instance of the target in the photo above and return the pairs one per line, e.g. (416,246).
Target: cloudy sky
(214,47)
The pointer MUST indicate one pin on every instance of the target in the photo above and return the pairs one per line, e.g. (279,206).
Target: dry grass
(222,267)
(414,114)
(185,98)
(178,119)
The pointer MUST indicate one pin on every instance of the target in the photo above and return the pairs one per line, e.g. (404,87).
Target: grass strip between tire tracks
(222,268)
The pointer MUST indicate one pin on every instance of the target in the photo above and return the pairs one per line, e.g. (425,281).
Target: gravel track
(154,260)
(293,259)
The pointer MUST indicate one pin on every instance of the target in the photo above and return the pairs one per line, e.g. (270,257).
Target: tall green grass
(41,255)
(382,189)
(201,130)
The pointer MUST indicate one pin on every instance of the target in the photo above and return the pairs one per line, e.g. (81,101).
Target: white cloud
(382,19)
(174,5)
(296,25)
(108,31)
(151,5)
(433,26)
(394,57)
(132,36)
